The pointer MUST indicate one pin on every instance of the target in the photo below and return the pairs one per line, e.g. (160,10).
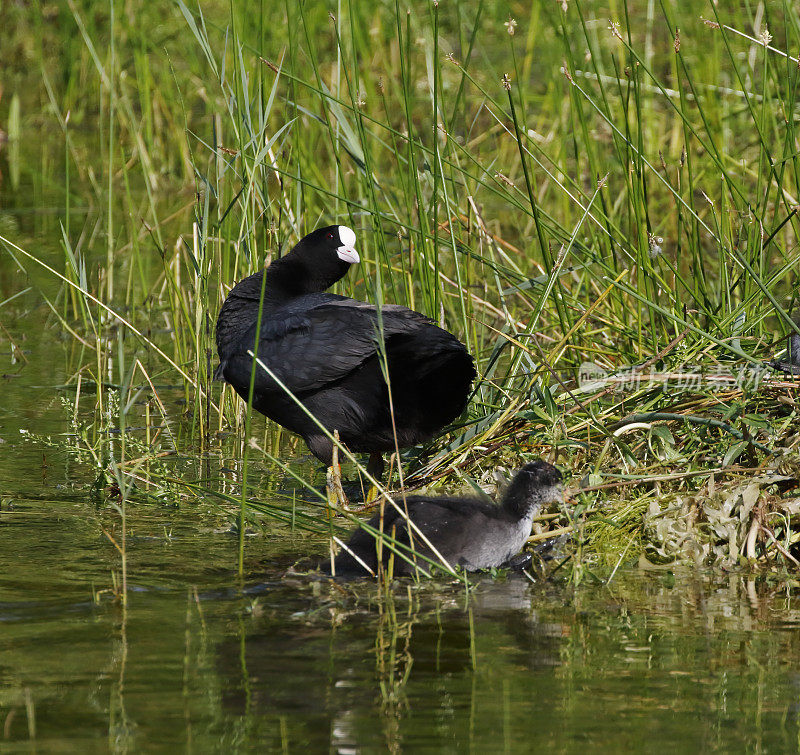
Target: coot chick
(791,363)
(468,532)
(324,348)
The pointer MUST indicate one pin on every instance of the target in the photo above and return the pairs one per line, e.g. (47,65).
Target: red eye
(330,235)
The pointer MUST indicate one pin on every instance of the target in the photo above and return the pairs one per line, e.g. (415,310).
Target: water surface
(199,660)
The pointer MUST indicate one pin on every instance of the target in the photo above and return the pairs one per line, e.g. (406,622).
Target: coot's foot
(552,549)
(788,367)
(519,562)
(791,363)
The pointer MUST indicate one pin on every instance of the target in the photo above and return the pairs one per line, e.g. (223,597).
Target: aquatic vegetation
(729,525)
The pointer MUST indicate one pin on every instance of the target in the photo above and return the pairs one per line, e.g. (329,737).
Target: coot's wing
(450,524)
(308,348)
(435,518)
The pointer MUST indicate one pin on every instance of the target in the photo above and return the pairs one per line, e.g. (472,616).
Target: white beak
(347,251)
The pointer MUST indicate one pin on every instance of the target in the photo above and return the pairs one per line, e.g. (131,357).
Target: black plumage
(324,348)
(468,532)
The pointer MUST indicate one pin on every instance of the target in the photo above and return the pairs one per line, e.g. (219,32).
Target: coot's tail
(431,374)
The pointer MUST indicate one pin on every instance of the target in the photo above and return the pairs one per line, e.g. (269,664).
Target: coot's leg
(375,467)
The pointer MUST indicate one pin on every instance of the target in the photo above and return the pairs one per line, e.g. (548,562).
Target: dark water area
(199,660)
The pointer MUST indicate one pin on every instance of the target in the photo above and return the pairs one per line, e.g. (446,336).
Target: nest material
(721,525)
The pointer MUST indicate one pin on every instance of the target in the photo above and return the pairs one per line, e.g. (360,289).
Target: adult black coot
(324,349)
(467,532)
